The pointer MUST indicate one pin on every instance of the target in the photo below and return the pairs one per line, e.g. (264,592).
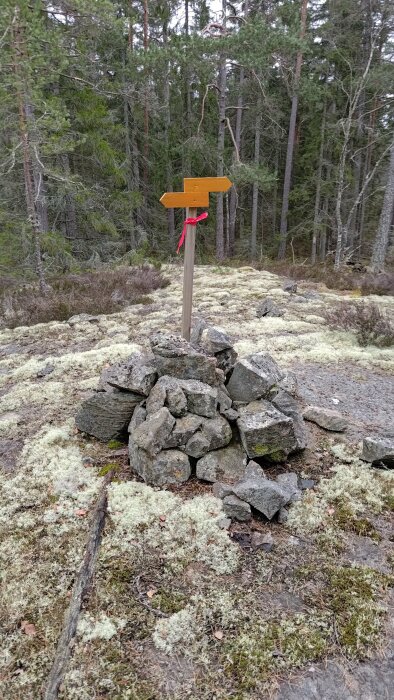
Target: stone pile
(197,407)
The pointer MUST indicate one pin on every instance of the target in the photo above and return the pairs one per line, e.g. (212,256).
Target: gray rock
(138,417)
(268,308)
(290,481)
(263,494)
(307,484)
(231,414)
(326,418)
(183,430)
(254,470)
(289,383)
(288,405)
(214,434)
(197,328)
(220,490)
(224,523)
(224,400)
(83,318)
(379,450)
(266,432)
(167,392)
(290,286)
(261,540)
(214,339)
(311,295)
(135,374)
(152,434)
(226,360)
(176,357)
(300,300)
(167,467)
(106,415)
(283,515)
(44,371)
(236,509)
(201,398)
(253,377)
(227,464)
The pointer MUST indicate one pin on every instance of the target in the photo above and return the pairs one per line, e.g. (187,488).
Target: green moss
(347,521)
(261,450)
(389,501)
(168,603)
(115,444)
(111,466)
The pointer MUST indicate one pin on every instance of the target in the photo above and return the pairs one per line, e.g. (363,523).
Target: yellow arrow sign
(206,184)
(172,200)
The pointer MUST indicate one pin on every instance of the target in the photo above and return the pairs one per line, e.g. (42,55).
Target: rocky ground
(172,614)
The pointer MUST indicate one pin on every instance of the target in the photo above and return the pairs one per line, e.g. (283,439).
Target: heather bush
(371,325)
(102,292)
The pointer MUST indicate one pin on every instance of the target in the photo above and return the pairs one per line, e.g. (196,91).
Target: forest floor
(167,616)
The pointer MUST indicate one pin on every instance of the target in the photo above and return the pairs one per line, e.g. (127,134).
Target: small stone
(262,540)
(197,445)
(236,509)
(326,418)
(227,464)
(231,414)
(268,308)
(214,339)
(266,432)
(254,470)
(220,490)
(307,484)
(214,434)
(197,328)
(283,515)
(106,415)
(201,398)
(224,523)
(379,450)
(224,399)
(253,377)
(183,430)
(176,357)
(44,371)
(263,494)
(290,286)
(290,481)
(152,434)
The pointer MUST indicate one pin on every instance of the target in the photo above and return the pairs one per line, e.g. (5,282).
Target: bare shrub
(371,325)
(102,292)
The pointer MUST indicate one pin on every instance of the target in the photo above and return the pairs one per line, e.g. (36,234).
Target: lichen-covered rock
(167,392)
(152,434)
(176,357)
(267,496)
(326,418)
(288,405)
(137,374)
(226,360)
(214,433)
(224,400)
(253,377)
(183,430)
(220,489)
(236,509)
(106,414)
(289,383)
(379,450)
(167,467)
(290,481)
(266,432)
(268,308)
(214,339)
(227,464)
(201,398)
(290,286)
(138,417)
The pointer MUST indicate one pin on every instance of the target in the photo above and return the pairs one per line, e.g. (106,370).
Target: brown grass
(371,325)
(103,292)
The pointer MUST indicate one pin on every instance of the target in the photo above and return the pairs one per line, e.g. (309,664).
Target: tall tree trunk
(255,190)
(382,235)
(70,214)
(146,107)
(317,217)
(291,139)
(188,100)
(167,125)
(220,243)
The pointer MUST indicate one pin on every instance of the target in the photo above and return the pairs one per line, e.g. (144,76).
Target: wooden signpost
(195,194)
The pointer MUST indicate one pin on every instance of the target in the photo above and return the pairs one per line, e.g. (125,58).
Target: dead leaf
(81,512)
(163,518)
(151,592)
(28,628)
(330,511)
(218,634)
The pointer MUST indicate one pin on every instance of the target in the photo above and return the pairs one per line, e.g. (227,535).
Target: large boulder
(137,374)
(167,467)
(379,450)
(213,434)
(167,392)
(288,405)
(152,434)
(326,418)
(253,377)
(201,398)
(176,357)
(267,496)
(225,465)
(106,414)
(266,432)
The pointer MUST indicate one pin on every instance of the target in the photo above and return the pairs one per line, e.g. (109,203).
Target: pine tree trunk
(382,235)
(220,243)
(291,140)
(317,217)
(255,191)
(167,125)
(146,108)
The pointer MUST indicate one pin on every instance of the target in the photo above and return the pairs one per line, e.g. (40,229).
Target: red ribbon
(192,222)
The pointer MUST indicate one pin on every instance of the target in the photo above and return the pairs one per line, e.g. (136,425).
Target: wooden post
(188,272)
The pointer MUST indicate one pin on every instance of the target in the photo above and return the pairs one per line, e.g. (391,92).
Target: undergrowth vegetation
(371,325)
(100,292)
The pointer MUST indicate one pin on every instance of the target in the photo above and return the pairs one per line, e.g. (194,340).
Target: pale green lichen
(102,628)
